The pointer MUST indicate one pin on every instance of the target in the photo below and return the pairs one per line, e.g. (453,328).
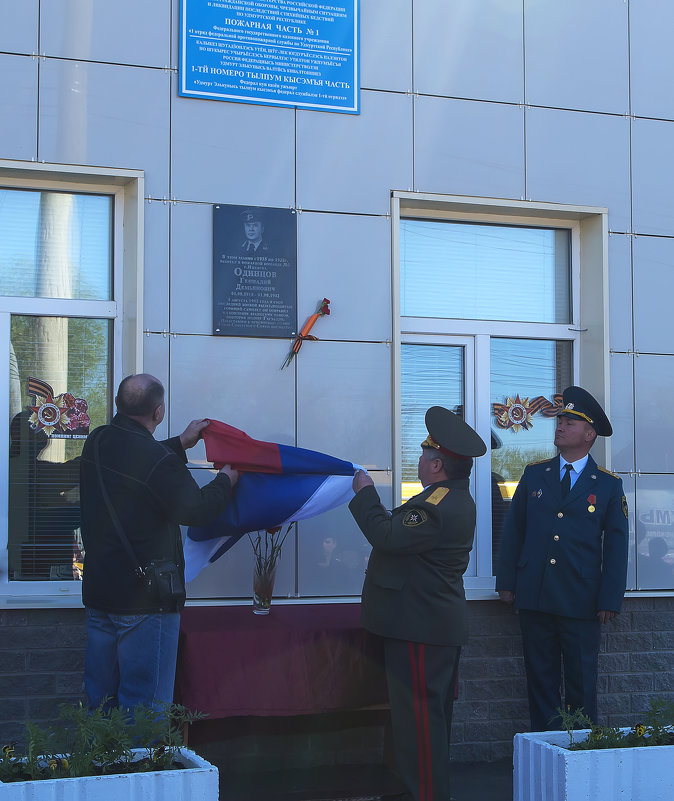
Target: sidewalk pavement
(475,781)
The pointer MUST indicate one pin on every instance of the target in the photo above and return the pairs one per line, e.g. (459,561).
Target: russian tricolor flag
(278,484)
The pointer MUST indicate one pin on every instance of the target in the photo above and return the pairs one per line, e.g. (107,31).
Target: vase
(544,769)
(263,589)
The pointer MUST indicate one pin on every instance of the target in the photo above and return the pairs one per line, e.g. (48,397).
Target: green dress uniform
(414,581)
(413,597)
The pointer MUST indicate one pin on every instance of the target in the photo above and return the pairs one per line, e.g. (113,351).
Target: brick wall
(492,703)
(636,663)
(41,666)
(42,658)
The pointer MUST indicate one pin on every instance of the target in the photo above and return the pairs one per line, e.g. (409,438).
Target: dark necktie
(566,480)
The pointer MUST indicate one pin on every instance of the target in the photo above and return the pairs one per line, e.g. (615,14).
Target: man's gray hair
(453,467)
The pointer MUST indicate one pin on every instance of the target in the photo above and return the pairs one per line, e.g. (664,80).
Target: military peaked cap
(448,433)
(578,402)
(251,215)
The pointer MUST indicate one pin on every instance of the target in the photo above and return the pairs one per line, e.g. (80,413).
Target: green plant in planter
(99,742)
(657,729)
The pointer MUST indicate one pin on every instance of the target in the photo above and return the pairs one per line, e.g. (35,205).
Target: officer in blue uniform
(563,562)
(413,597)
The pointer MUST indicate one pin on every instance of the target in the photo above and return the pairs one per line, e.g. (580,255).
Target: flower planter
(198,781)
(546,771)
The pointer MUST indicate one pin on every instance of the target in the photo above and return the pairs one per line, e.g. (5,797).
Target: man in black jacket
(132,639)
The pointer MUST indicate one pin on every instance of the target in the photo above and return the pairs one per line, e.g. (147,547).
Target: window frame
(125,310)
(588,329)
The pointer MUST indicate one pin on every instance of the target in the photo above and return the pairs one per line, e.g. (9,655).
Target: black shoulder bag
(163,578)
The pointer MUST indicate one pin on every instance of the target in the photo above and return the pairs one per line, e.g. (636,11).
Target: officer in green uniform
(413,597)
(563,562)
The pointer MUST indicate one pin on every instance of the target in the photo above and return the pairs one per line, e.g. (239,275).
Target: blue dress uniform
(565,558)
(413,598)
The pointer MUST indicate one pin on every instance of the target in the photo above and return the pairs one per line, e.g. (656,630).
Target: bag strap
(139,571)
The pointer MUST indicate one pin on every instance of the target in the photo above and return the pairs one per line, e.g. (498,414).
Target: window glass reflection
(484,272)
(655,533)
(526,377)
(55,245)
(431,375)
(333,553)
(59,390)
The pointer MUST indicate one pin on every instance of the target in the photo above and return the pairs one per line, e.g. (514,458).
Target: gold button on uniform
(553,561)
(556,538)
(560,514)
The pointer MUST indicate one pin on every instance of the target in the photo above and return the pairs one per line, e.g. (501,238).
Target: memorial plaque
(254,271)
(297,53)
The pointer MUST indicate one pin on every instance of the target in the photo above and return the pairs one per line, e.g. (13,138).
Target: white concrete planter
(196,782)
(546,771)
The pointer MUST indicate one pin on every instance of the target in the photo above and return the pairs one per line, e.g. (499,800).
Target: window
(62,282)
(59,390)
(490,326)
(476,271)
(431,375)
(55,244)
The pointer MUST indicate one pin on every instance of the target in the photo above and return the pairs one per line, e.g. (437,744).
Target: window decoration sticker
(62,416)
(517,413)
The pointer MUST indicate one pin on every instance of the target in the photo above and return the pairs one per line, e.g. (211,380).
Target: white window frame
(125,311)
(588,330)
(470,406)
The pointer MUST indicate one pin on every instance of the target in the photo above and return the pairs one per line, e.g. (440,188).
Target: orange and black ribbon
(323,309)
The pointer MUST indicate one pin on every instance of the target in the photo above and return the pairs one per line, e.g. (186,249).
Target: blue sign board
(296,53)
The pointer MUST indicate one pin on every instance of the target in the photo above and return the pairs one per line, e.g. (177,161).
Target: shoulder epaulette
(604,470)
(437,495)
(540,461)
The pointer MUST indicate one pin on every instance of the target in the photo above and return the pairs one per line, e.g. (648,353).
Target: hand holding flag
(279,484)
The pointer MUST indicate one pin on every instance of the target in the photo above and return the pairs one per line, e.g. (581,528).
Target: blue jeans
(130,659)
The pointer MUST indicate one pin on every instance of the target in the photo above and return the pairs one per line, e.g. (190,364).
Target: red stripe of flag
(228,445)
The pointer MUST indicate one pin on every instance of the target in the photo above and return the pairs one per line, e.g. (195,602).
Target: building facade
(494,224)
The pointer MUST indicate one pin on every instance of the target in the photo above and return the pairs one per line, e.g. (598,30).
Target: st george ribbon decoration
(519,412)
(60,416)
(322,310)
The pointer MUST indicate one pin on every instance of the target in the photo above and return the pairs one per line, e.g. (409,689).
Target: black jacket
(153,493)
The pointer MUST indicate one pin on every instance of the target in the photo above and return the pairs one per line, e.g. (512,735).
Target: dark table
(299,659)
